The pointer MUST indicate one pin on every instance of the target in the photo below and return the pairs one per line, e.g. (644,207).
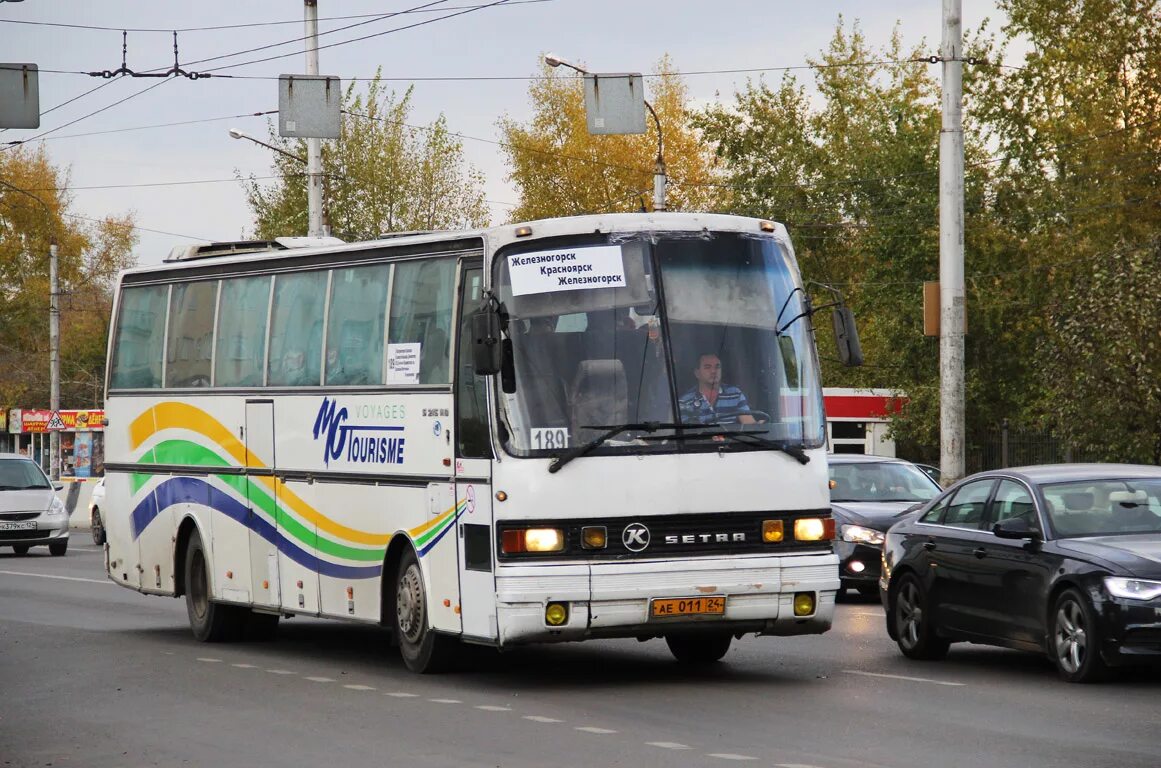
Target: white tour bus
(491,436)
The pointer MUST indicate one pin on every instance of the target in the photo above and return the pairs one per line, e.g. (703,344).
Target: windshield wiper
(609,433)
(745,438)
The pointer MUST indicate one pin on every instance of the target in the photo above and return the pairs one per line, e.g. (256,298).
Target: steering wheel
(760,416)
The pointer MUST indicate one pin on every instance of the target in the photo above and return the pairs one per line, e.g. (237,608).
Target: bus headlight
(814,529)
(516,540)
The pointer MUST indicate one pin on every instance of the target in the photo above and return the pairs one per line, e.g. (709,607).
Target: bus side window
(355,328)
(191,334)
(241,345)
(137,352)
(295,325)
(471,396)
(421,313)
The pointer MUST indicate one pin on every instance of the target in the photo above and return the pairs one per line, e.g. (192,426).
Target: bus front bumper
(615,599)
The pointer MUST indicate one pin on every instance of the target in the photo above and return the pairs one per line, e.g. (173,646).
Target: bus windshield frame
(642,348)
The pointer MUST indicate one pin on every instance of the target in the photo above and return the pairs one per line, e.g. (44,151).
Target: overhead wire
(105,108)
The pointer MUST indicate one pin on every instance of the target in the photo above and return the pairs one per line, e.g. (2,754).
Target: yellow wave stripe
(174,415)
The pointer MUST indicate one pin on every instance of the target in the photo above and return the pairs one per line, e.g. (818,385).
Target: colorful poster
(83,455)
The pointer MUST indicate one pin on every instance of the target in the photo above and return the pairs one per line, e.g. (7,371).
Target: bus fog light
(594,537)
(856,566)
(803,603)
(556,614)
(814,529)
(772,532)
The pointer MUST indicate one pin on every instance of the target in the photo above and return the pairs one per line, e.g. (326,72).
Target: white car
(30,513)
(95,504)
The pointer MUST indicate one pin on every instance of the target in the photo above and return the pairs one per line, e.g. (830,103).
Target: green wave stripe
(184,452)
(422,540)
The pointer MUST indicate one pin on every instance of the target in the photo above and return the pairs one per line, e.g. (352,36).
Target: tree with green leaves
(560,169)
(381,175)
(35,209)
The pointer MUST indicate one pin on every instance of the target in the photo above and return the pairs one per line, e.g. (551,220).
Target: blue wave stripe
(192,490)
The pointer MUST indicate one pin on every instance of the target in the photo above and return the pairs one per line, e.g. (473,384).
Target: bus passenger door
(475,531)
(260,517)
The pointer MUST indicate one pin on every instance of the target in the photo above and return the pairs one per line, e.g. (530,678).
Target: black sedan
(1063,559)
(867,495)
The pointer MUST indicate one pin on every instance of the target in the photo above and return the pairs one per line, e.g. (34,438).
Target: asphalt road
(94,675)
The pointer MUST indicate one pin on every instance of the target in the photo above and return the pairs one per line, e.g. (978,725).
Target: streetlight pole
(314,190)
(659,172)
(236,134)
(54,356)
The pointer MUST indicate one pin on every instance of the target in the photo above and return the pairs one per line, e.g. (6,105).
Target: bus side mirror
(846,337)
(486,342)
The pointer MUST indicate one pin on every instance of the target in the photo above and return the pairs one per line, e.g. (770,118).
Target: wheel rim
(409,604)
(908,614)
(98,529)
(1071,637)
(198,590)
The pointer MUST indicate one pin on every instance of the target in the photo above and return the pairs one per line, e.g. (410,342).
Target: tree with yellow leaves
(559,169)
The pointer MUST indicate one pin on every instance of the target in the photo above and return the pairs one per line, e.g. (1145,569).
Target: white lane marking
(542,719)
(243,666)
(902,677)
(730,756)
(209,660)
(794,765)
(401,695)
(59,578)
(281,672)
(879,615)
(493,708)
(668,745)
(591,729)
(321,679)
(75,548)
(359,687)
(445,701)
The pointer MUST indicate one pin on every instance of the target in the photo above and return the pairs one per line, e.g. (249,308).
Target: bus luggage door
(261,517)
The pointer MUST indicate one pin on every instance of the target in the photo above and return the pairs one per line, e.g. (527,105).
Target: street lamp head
(552,60)
(236,134)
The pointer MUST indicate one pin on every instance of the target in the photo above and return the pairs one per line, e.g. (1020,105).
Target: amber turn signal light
(772,531)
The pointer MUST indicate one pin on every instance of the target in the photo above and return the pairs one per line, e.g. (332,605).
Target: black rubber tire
(98,527)
(423,650)
(1074,640)
(869,590)
(20,549)
(698,648)
(210,622)
(911,621)
(261,627)
(58,548)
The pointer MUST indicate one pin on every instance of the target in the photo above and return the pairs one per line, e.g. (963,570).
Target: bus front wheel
(698,648)
(211,622)
(423,650)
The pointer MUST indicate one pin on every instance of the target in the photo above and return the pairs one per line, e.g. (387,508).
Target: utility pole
(314,190)
(951,285)
(54,356)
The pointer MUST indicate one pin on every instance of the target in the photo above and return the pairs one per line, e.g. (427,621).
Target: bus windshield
(684,338)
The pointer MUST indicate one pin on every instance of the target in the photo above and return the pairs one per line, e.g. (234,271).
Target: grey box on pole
(309,106)
(19,96)
(615,103)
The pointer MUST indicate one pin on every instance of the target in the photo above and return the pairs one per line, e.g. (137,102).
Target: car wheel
(869,590)
(58,548)
(1075,640)
(20,549)
(211,622)
(698,648)
(423,650)
(914,631)
(98,527)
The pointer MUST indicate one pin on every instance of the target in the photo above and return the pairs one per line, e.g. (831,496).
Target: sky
(179,181)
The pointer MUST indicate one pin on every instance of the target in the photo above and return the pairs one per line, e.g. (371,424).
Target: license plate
(10,526)
(688,606)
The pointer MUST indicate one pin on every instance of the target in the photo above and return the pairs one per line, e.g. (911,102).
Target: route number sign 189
(549,438)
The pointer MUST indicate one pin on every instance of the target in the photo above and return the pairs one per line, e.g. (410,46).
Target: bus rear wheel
(698,648)
(423,650)
(211,622)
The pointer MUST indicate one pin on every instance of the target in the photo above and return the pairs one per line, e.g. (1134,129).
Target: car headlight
(1132,589)
(860,535)
(57,507)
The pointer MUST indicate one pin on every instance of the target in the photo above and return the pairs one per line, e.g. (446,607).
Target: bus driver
(710,401)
